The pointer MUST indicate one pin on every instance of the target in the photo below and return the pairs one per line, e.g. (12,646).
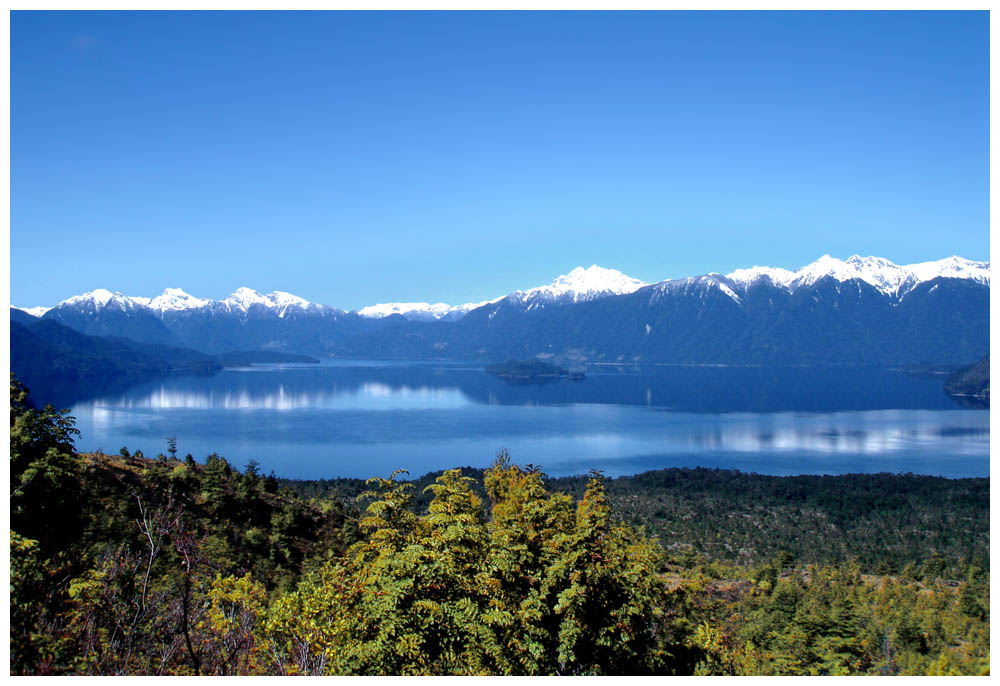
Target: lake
(362,419)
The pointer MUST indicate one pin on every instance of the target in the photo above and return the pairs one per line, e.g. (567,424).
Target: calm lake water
(365,419)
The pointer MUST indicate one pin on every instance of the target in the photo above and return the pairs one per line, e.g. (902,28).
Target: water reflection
(339,420)
(370,396)
(386,385)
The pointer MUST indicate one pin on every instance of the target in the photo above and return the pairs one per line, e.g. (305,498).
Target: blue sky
(355,158)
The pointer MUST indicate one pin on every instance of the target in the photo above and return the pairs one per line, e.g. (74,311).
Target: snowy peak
(886,276)
(173,299)
(421,311)
(33,311)
(580,284)
(100,299)
(953,267)
(435,311)
(776,275)
(584,284)
(284,300)
(698,285)
(244,298)
(876,271)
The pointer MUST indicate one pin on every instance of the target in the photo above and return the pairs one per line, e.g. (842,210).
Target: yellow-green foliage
(234,604)
(534,588)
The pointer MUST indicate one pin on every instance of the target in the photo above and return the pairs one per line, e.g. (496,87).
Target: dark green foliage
(720,514)
(44,473)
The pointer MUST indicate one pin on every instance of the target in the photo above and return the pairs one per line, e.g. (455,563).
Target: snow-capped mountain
(103,313)
(862,310)
(174,299)
(177,300)
(102,299)
(280,303)
(887,277)
(581,285)
(421,311)
(953,267)
(859,311)
(34,311)
(175,317)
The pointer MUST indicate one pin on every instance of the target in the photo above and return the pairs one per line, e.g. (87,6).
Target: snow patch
(952,267)
(583,284)
(776,275)
(244,298)
(175,299)
(437,310)
(33,311)
(98,297)
(886,276)
(421,310)
(727,290)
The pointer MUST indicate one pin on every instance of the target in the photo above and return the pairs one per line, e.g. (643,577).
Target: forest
(166,565)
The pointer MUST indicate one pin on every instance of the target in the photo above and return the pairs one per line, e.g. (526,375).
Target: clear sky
(355,158)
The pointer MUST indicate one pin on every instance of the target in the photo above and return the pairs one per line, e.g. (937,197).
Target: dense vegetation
(123,564)
(886,523)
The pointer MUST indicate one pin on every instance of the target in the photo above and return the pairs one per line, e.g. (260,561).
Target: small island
(971,382)
(531,371)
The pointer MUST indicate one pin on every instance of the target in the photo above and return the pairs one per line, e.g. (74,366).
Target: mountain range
(861,311)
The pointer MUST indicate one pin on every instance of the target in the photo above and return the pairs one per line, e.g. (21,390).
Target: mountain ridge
(579,284)
(865,311)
